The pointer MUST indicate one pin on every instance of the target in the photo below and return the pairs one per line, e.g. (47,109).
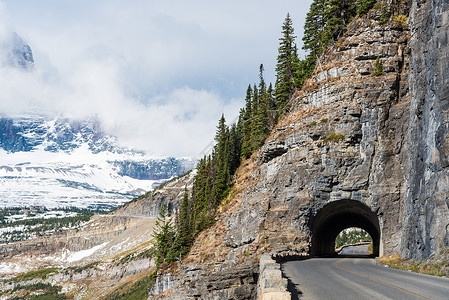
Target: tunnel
(339,215)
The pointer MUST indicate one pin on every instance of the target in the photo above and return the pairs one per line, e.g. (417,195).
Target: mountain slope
(63,162)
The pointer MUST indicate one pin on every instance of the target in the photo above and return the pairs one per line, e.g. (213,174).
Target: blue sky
(157,73)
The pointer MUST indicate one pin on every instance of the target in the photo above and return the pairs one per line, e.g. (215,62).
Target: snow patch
(76,256)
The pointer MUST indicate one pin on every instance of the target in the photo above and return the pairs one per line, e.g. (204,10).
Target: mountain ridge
(79,157)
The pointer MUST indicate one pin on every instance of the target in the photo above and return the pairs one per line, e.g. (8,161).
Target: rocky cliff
(426,215)
(359,148)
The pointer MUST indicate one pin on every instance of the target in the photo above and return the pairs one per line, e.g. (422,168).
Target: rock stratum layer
(356,149)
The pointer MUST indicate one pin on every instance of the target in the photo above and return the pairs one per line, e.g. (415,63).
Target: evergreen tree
(272,107)
(363,6)
(271,100)
(183,240)
(285,67)
(260,126)
(246,123)
(337,14)
(255,100)
(234,149)
(313,38)
(222,166)
(164,235)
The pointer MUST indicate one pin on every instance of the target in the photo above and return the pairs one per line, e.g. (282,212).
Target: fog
(158,74)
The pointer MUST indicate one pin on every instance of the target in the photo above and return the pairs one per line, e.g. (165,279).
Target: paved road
(355,250)
(360,278)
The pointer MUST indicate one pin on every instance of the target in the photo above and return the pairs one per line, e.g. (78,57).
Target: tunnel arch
(336,216)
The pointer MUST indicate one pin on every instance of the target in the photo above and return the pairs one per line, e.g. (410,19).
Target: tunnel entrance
(339,215)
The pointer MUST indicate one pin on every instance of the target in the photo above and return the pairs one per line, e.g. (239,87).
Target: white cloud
(157,73)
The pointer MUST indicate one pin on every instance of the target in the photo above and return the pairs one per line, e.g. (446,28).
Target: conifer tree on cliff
(260,128)
(314,40)
(183,240)
(363,6)
(337,14)
(221,153)
(246,123)
(286,66)
(164,235)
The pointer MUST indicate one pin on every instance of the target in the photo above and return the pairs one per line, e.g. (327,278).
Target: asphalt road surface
(354,250)
(360,278)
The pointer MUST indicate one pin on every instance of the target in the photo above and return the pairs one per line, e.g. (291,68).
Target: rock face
(356,150)
(344,148)
(149,205)
(426,217)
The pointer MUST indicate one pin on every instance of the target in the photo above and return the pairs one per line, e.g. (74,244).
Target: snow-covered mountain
(15,52)
(63,162)
(56,161)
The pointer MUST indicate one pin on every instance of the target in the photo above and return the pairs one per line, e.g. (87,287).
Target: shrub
(42,273)
(378,67)
(400,20)
(385,17)
(312,124)
(334,138)
(134,290)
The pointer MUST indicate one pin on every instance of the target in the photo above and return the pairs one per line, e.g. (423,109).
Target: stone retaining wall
(271,285)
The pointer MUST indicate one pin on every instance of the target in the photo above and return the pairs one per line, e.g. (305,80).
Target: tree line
(264,105)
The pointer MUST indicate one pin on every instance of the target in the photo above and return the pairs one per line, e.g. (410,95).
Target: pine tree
(255,101)
(183,240)
(337,14)
(285,67)
(260,126)
(246,124)
(363,6)
(164,235)
(234,149)
(314,29)
(222,167)
(272,107)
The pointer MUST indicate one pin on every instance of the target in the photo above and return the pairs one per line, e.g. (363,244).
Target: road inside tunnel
(337,216)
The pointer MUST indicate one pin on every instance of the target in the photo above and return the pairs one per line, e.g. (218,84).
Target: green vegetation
(351,236)
(334,138)
(378,67)
(92,265)
(164,235)
(400,20)
(326,21)
(287,65)
(385,16)
(36,220)
(42,273)
(264,105)
(44,291)
(136,255)
(135,291)
(363,6)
